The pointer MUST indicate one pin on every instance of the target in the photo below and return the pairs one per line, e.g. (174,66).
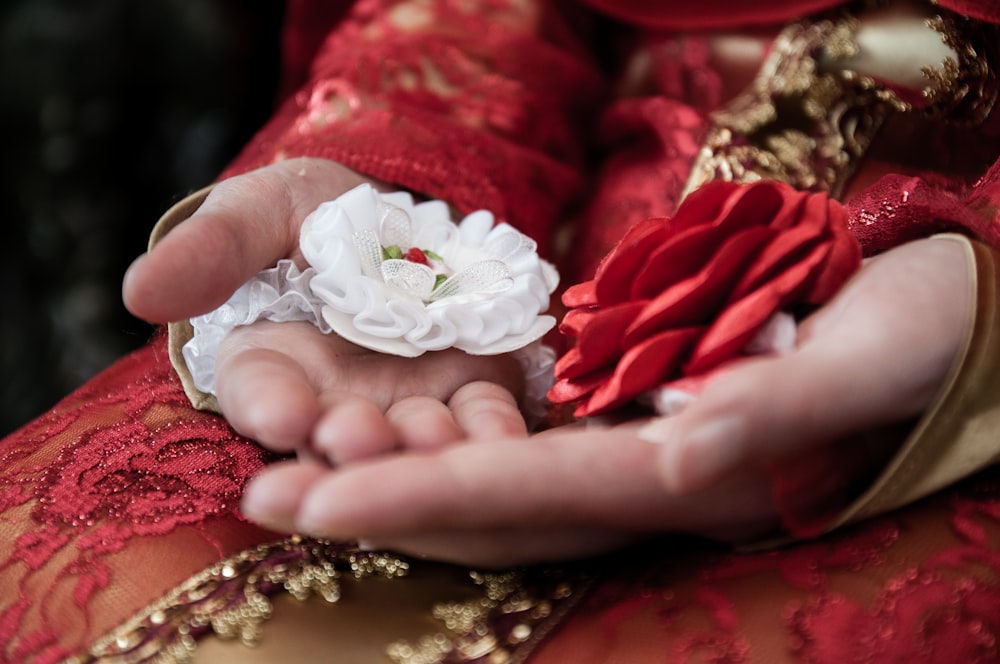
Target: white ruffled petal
(475,227)
(281,293)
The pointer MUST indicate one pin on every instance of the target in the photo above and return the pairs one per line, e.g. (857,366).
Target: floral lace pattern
(922,585)
(123,459)
(487,99)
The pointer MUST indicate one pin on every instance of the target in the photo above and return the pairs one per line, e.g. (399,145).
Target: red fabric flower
(678,297)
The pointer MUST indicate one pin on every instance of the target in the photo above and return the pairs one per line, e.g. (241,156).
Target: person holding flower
(783,322)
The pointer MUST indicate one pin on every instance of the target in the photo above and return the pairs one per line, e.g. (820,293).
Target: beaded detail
(230,599)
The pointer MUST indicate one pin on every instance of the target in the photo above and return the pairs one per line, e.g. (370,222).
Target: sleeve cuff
(957,435)
(179,332)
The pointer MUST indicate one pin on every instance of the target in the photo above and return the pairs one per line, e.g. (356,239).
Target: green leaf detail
(392,251)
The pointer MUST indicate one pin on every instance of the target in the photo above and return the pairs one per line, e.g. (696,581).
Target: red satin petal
(687,250)
(575,320)
(615,273)
(694,301)
(705,205)
(581,295)
(791,213)
(843,261)
(733,330)
(600,341)
(566,390)
(739,321)
(787,249)
(642,368)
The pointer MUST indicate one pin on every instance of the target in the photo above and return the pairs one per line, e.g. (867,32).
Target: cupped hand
(876,354)
(287,385)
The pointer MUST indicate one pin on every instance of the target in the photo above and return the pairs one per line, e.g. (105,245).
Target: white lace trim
(279,294)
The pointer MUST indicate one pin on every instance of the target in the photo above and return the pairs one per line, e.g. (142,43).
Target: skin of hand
(876,354)
(289,386)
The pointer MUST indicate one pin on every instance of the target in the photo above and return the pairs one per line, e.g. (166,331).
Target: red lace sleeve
(480,104)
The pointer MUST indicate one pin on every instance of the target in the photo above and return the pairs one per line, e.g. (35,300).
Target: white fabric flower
(403,278)
(475,286)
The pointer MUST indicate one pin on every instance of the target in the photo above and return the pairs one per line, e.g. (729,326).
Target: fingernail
(253,509)
(694,460)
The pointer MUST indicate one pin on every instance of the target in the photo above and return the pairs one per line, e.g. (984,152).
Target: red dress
(123,491)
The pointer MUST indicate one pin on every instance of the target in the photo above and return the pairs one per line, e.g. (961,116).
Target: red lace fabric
(122,490)
(481,104)
(114,496)
(922,585)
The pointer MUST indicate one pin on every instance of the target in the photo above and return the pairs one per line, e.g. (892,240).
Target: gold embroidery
(491,629)
(964,92)
(808,123)
(231,598)
(798,123)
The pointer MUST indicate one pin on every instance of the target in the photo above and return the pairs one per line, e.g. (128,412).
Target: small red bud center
(415,255)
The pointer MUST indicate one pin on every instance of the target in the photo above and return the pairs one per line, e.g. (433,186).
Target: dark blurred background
(110,110)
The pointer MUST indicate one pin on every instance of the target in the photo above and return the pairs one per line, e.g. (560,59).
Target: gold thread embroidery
(231,598)
(798,123)
(493,628)
(965,91)
(809,125)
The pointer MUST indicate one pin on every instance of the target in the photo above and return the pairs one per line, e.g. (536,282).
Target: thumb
(246,224)
(759,410)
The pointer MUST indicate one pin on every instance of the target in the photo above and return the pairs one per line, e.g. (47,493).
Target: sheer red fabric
(122,490)
(116,495)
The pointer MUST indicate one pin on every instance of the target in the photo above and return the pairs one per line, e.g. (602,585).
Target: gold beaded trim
(517,611)
(230,599)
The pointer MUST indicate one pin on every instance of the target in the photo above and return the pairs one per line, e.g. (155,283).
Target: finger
(423,423)
(506,548)
(246,224)
(486,410)
(272,498)
(595,480)
(267,396)
(759,411)
(351,428)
